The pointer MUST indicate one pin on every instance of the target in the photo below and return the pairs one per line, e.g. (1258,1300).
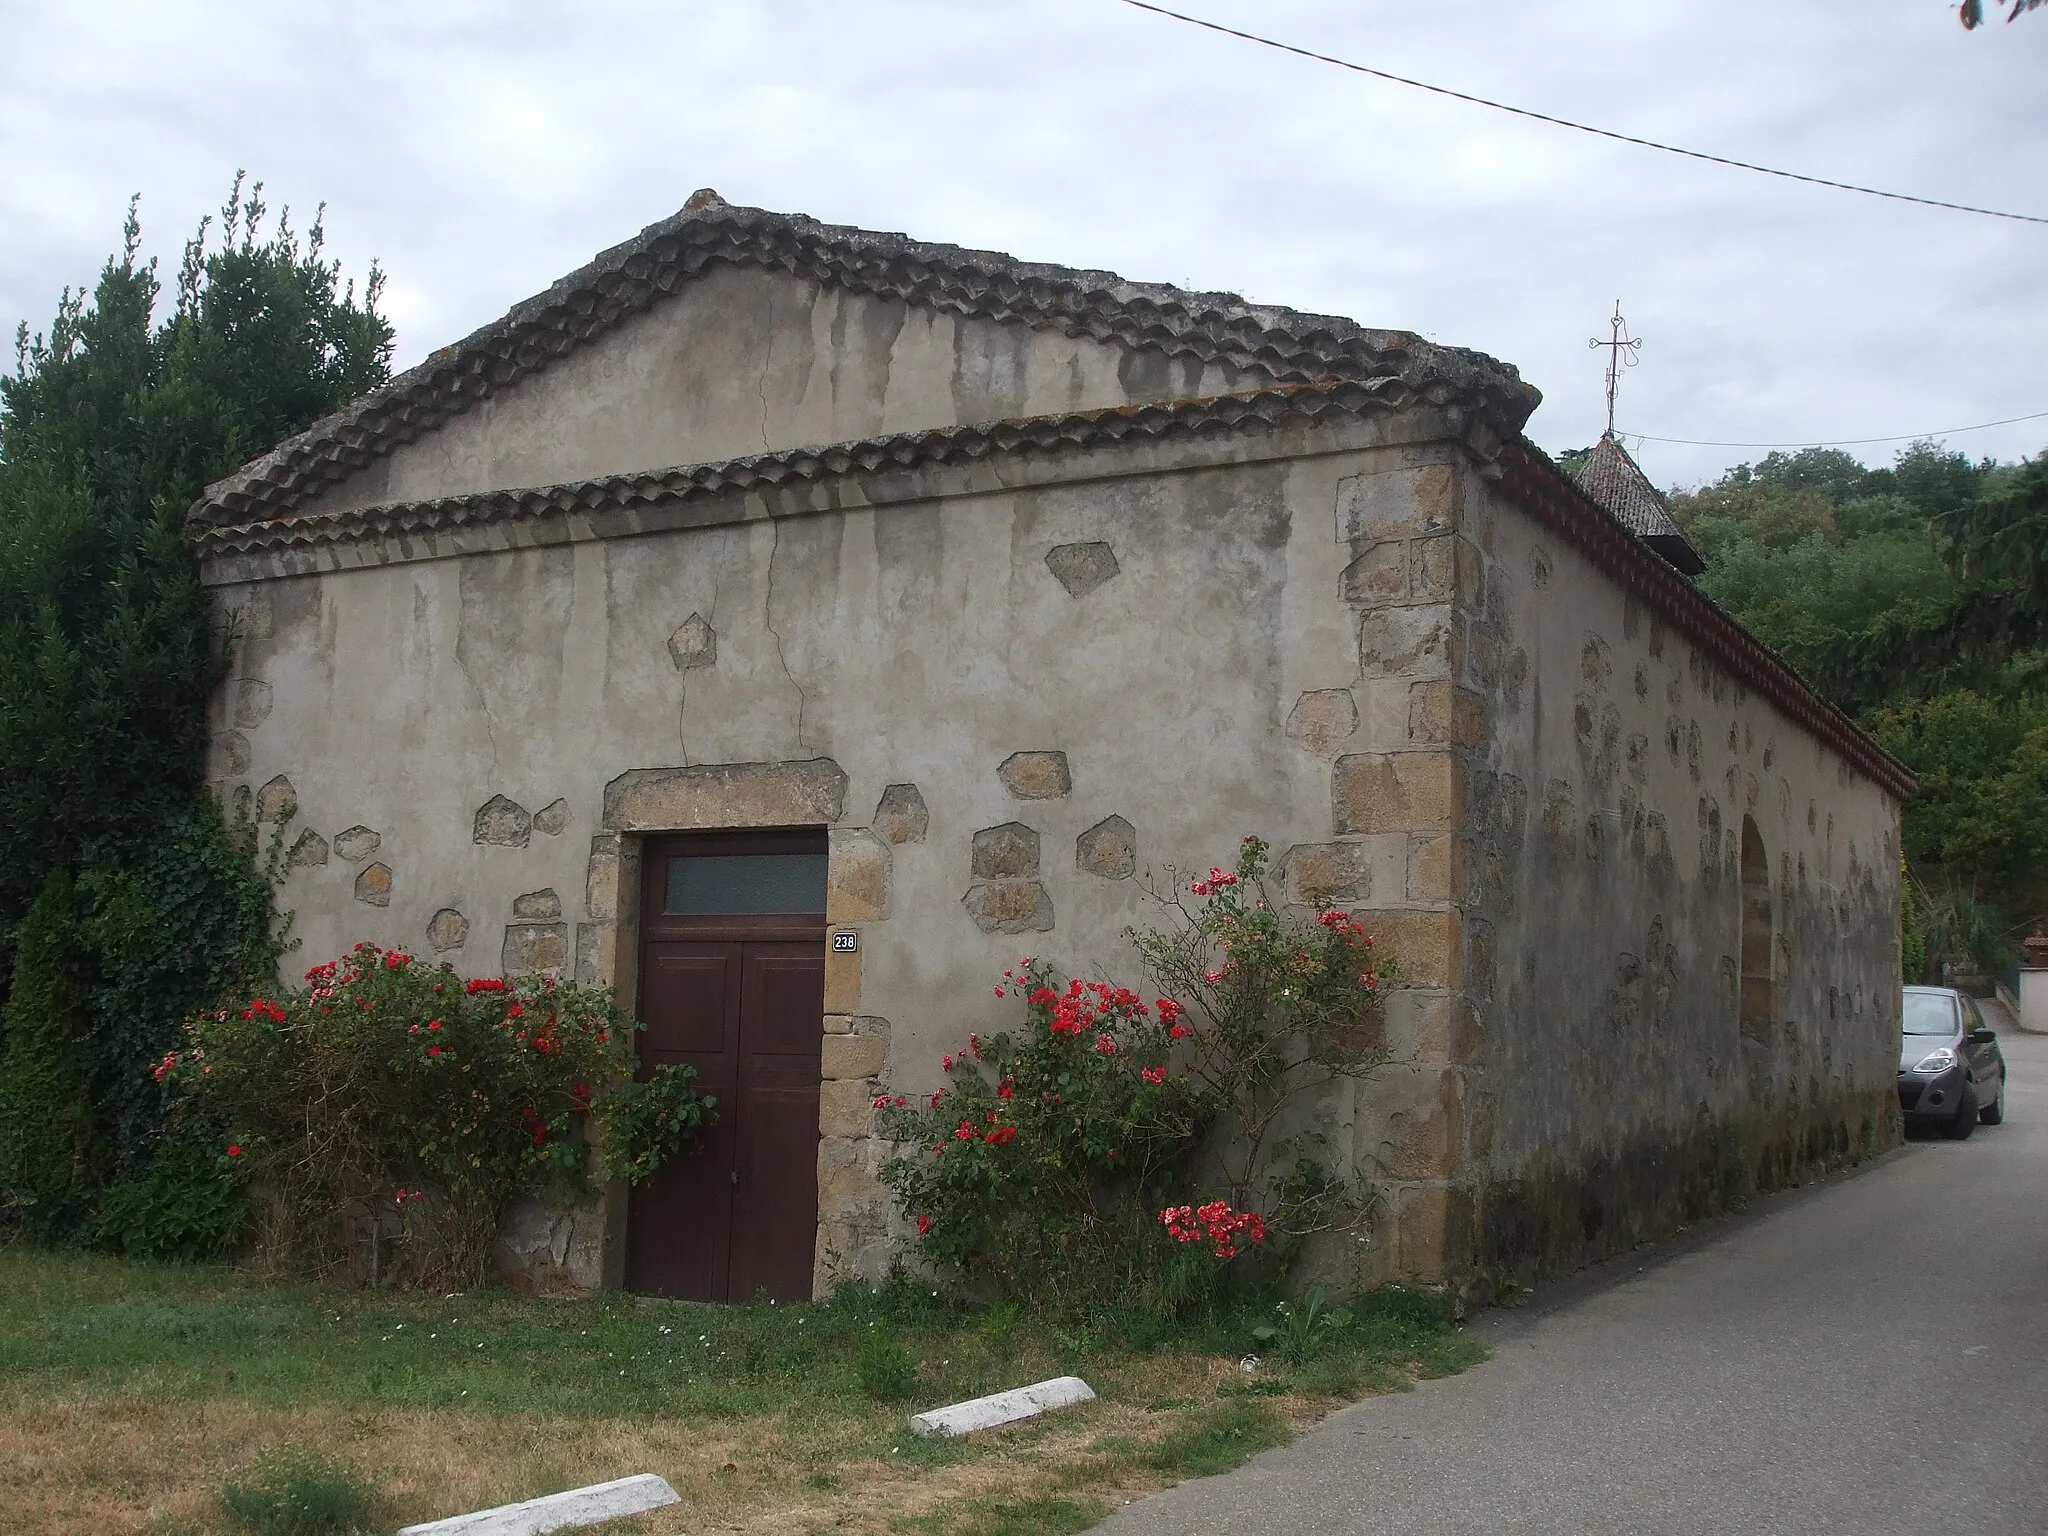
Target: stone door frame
(649,803)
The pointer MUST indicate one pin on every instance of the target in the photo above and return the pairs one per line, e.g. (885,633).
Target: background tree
(1916,598)
(146,904)
(1973,10)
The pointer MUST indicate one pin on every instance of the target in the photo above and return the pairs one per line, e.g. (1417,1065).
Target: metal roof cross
(1622,354)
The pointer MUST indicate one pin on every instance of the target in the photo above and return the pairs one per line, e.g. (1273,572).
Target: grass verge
(171,1401)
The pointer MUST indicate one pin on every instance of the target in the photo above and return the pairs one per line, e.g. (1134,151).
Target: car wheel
(1994,1112)
(1965,1120)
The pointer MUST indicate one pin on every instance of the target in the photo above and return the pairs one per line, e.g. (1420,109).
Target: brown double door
(734,985)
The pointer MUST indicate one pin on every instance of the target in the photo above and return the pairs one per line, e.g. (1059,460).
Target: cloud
(481,150)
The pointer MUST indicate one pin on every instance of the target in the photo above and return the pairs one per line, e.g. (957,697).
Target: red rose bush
(1124,1148)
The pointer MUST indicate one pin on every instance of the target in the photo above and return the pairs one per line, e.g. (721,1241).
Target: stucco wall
(1615,1089)
(1181,626)
(742,361)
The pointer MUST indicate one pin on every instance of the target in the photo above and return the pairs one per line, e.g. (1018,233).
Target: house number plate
(845,943)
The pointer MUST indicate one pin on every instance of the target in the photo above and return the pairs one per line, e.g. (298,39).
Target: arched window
(1757,1001)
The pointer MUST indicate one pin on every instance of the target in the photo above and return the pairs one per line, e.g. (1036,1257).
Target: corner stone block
(1439,869)
(1398,792)
(1431,1028)
(357,844)
(593,966)
(1424,1136)
(552,818)
(1397,504)
(503,823)
(1445,714)
(252,702)
(856,877)
(1322,719)
(1380,575)
(1316,874)
(1081,568)
(853,1056)
(1007,852)
(447,929)
(900,815)
(534,947)
(694,644)
(310,850)
(1433,1231)
(1426,947)
(792,794)
(1406,642)
(537,904)
(1009,906)
(1036,775)
(373,885)
(1108,849)
(277,800)
(845,1107)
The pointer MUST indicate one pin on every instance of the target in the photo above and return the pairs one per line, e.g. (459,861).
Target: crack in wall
(768,623)
(711,618)
(767,360)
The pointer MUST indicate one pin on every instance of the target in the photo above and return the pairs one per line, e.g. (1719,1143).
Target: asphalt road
(1867,1355)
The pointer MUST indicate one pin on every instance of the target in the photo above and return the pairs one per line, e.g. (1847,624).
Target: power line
(1561,122)
(1840,442)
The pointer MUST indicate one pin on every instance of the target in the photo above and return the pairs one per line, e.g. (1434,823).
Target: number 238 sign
(845,943)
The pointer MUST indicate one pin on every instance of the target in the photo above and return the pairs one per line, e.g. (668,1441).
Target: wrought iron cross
(1622,350)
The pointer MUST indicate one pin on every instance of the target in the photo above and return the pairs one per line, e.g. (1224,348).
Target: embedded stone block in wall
(537,904)
(531,948)
(849,1056)
(357,844)
(842,981)
(590,958)
(1434,1231)
(1439,869)
(234,747)
(1427,946)
(447,929)
(1398,792)
(1108,849)
(1036,775)
(1317,874)
(252,702)
(694,644)
(1423,1120)
(857,877)
(900,815)
(552,818)
(1081,568)
(1397,504)
(277,800)
(1380,575)
(1406,642)
(1007,852)
(373,885)
(1009,906)
(845,1107)
(244,803)
(1322,718)
(785,794)
(503,823)
(308,852)
(1445,569)
(1443,713)
(601,878)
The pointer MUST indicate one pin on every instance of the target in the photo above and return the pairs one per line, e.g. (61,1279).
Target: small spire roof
(1617,483)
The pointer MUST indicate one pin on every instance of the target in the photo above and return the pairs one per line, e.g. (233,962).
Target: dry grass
(96,1436)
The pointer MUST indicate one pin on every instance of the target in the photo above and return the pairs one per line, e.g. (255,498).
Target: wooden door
(740,995)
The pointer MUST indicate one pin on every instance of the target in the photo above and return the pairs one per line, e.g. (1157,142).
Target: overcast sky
(481,150)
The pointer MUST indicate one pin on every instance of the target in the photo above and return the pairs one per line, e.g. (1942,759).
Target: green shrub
(386,1114)
(302,1495)
(186,1204)
(1113,1154)
(48,1166)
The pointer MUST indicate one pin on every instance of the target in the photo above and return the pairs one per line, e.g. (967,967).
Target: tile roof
(1614,480)
(1285,346)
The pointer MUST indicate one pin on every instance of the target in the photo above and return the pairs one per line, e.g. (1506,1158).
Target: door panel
(775,1217)
(679,1223)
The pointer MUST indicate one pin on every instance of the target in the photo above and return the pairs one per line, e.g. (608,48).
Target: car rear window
(1930,1013)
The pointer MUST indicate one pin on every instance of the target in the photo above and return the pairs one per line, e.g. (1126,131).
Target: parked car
(1951,1072)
